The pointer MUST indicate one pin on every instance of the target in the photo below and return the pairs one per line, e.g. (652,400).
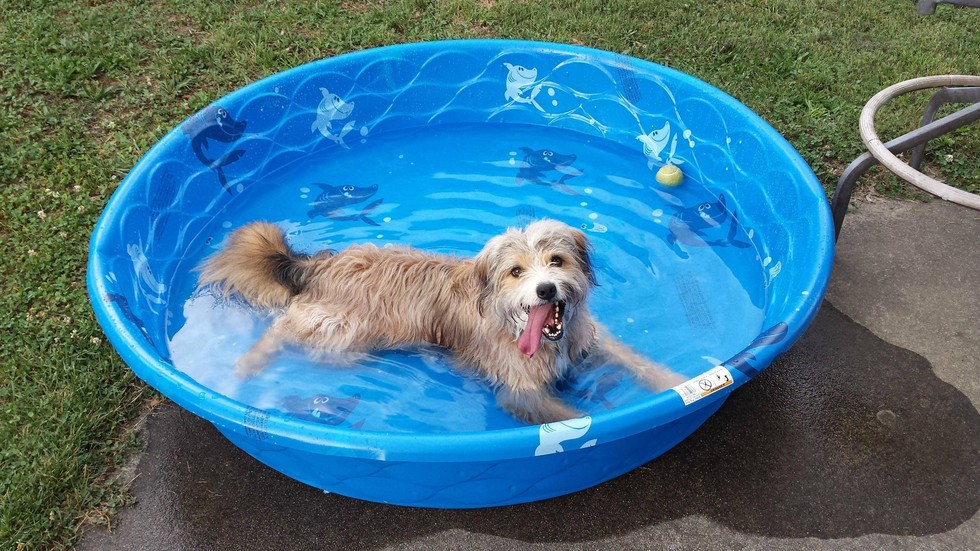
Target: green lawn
(86,87)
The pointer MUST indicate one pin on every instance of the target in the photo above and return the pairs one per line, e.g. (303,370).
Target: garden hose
(893,163)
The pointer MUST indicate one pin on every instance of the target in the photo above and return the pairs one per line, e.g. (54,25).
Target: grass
(86,87)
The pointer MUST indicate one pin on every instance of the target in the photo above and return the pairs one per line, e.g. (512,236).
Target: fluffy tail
(258,265)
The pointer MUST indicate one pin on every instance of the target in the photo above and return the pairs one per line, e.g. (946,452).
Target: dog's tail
(258,265)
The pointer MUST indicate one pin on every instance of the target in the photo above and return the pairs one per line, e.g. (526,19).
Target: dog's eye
(556,261)
(516,271)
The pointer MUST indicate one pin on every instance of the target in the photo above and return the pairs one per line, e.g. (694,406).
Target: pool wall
(210,161)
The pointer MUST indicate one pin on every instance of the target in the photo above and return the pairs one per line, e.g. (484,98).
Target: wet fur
(341,306)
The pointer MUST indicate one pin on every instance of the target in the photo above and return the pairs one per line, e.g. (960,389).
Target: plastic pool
(441,146)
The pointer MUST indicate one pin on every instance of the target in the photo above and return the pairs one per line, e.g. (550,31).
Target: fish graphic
(521,80)
(538,162)
(332,108)
(213,123)
(334,199)
(696,227)
(321,408)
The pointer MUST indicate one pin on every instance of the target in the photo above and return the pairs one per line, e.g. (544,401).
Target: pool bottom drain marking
(704,385)
(695,306)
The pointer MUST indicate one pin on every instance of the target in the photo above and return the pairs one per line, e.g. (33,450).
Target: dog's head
(534,280)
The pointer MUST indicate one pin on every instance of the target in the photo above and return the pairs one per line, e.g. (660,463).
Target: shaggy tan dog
(515,315)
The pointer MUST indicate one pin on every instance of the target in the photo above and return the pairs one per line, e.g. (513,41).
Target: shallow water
(680,286)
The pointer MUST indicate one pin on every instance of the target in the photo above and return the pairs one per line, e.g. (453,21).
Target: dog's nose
(547,291)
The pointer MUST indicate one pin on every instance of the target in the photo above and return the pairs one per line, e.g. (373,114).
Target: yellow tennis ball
(670,175)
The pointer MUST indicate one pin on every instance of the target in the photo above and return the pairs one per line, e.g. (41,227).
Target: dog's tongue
(530,338)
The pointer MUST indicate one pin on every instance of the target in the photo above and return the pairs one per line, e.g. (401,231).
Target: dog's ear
(481,270)
(583,249)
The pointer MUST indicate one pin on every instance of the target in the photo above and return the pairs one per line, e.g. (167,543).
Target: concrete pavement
(865,435)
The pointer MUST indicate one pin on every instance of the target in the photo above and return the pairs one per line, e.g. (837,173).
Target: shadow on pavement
(845,435)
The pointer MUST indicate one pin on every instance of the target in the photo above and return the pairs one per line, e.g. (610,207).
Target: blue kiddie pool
(442,146)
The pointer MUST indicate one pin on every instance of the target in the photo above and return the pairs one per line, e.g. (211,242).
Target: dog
(515,315)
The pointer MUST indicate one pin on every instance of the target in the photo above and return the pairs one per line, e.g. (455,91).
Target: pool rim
(281,429)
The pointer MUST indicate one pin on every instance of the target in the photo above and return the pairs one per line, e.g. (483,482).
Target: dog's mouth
(544,320)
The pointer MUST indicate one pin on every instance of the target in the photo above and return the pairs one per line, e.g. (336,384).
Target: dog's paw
(535,406)
(549,415)
(658,377)
(248,366)
(672,379)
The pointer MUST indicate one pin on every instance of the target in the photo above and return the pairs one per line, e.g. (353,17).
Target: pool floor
(679,277)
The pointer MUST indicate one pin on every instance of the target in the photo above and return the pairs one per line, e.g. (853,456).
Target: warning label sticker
(704,385)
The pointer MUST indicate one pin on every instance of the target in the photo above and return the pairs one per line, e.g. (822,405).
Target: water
(448,189)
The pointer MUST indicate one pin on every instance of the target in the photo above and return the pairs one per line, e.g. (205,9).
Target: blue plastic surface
(442,145)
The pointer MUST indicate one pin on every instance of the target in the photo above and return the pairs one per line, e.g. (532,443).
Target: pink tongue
(530,339)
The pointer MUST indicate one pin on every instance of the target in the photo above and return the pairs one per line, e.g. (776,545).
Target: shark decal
(538,162)
(654,143)
(769,337)
(552,436)
(655,146)
(332,108)
(214,124)
(554,101)
(334,200)
(703,226)
(321,408)
(522,86)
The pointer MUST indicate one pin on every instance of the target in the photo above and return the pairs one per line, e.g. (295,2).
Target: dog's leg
(261,354)
(609,349)
(536,406)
